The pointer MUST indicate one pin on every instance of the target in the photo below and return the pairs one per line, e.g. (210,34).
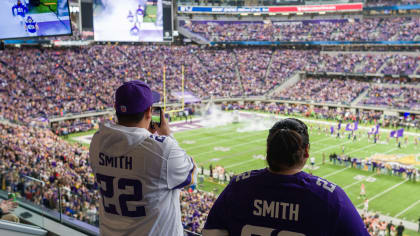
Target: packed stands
(360,30)
(75,80)
(324,90)
(377,3)
(399,97)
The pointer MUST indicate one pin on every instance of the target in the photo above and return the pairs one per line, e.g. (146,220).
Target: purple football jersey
(262,203)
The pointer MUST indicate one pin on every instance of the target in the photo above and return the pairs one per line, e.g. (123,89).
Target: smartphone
(156,114)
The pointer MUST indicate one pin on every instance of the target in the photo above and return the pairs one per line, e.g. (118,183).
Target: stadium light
(285,13)
(257,14)
(322,12)
(244,14)
(271,14)
(299,13)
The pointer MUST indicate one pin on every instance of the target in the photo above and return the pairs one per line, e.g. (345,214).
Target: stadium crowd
(40,154)
(379,3)
(363,29)
(195,206)
(378,227)
(323,90)
(402,97)
(75,80)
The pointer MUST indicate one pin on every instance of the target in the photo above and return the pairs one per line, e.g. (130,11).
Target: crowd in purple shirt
(379,3)
(323,90)
(195,206)
(402,97)
(36,83)
(363,29)
(40,154)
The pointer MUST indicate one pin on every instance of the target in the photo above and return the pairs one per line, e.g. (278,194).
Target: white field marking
(236,145)
(321,150)
(244,162)
(228,156)
(221,141)
(391,150)
(385,191)
(408,208)
(213,130)
(241,163)
(349,185)
(208,137)
(207,129)
(335,172)
(255,159)
(355,150)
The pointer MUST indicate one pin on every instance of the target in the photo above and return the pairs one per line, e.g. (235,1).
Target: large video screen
(128,20)
(34,18)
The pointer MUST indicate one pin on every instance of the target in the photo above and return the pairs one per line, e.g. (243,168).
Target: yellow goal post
(182,91)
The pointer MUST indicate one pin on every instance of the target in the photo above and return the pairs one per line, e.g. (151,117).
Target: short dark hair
(130,118)
(286,144)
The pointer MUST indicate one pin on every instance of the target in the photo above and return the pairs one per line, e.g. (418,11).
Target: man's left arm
(181,169)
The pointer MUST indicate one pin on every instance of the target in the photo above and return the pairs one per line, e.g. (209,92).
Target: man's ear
(306,154)
(148,113)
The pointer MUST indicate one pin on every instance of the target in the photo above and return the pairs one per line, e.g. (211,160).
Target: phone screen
(156,115)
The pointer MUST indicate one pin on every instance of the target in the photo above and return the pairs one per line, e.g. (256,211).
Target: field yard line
(360,148)
(208,144)
(221,141)
(233,155)
(349,185)
(331,147)
(247,161)
(335,172)
(390,150)
(206,137)
(237,145)
(244,162)
(408,208)
(241,163)
(183,135)
(385,191)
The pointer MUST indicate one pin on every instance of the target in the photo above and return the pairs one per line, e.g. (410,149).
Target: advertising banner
(277,9)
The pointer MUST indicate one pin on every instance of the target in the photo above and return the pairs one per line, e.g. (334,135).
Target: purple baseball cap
(133,97)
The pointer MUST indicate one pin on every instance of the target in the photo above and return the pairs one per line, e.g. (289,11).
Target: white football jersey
(139,176)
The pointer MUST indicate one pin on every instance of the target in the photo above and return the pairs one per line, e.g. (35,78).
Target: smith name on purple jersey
(262,203)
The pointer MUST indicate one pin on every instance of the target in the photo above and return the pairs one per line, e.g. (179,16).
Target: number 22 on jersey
(122,183)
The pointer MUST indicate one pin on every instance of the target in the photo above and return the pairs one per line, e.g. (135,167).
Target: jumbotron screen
(34,18)
(128,20)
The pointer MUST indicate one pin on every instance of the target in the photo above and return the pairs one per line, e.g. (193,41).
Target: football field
(234,148)
(241,147)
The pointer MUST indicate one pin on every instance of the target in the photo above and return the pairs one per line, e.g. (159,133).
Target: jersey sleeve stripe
(188,181)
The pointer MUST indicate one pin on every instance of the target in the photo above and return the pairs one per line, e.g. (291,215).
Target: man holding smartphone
(139,174)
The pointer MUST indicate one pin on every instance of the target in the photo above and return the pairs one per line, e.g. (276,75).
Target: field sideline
(245,150)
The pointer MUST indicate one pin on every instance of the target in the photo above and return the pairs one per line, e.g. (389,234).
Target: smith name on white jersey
(139,176)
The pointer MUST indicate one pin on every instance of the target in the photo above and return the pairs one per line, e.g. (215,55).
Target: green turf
(242,148)
(242,151)
(45,7)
